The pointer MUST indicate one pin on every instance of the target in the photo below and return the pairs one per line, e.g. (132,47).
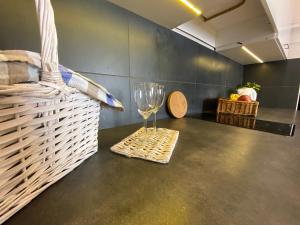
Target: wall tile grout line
(100,74)
(166,81)
(129,61)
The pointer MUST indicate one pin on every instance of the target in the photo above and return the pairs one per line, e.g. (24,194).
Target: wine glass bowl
(149,97)
(143,96)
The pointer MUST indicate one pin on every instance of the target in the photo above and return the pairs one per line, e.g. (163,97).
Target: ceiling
(249,10)
(269,28)
(268,49)
(168,13)
(285,17)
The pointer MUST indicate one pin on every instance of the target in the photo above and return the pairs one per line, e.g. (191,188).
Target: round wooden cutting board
(177,104)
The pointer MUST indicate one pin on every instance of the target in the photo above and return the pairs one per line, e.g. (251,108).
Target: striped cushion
(89,87)
(17,66)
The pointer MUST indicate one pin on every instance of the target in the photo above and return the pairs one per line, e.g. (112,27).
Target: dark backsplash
(117,48)
(279,80)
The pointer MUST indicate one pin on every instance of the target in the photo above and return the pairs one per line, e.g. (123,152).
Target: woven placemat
(156,146)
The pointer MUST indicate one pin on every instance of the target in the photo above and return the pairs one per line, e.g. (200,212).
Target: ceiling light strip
(191,6)
(252,54)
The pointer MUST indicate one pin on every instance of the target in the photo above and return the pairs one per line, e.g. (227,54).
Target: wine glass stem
(154,122)
(145,125)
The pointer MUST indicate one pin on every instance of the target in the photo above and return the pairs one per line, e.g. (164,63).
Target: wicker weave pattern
(237,107)
(156,147)
(236,120)
(46,129)
(41,140)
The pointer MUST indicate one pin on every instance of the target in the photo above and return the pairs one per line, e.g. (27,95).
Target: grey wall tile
(93,36)
(144,60)
(19,27)
(279,73)
(117,48)
(119,87)
(280,82)
(177,57)
(293,68)
(208,96)
(211,67)
(233,75)
(279,97)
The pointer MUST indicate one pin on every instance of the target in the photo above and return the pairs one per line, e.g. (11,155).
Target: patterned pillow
(89,87)
(17,66)
(18,72)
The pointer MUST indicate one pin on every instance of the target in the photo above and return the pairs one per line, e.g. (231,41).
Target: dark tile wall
(117,48)
(280,82)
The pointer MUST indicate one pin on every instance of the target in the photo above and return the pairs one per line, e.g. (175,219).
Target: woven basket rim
(228,100)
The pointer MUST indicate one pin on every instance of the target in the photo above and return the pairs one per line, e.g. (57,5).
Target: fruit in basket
(234,97)
(248,91)
(245,98)
(250,88)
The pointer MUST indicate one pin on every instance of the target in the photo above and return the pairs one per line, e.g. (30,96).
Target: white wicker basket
(46,129)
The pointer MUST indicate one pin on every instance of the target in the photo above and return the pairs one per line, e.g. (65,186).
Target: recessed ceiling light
(252,54)
(191,6)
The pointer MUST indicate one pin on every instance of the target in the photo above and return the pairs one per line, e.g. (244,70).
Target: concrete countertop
(218,174)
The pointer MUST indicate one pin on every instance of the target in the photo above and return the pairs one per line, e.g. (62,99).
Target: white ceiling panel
(201,30)
(168,13)
(244,32)
(248,11)
(286,16)
(286,13)
(266,50)
(210,8)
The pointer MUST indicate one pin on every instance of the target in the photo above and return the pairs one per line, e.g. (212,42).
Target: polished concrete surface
(281,115)
(218,175)
(248,122)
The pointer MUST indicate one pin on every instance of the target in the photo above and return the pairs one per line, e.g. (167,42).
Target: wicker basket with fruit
(241,103)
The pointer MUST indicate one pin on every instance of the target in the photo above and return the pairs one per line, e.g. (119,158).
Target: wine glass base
(149,136)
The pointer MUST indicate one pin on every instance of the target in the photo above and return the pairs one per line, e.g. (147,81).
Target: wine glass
(159,100)
(143,96)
